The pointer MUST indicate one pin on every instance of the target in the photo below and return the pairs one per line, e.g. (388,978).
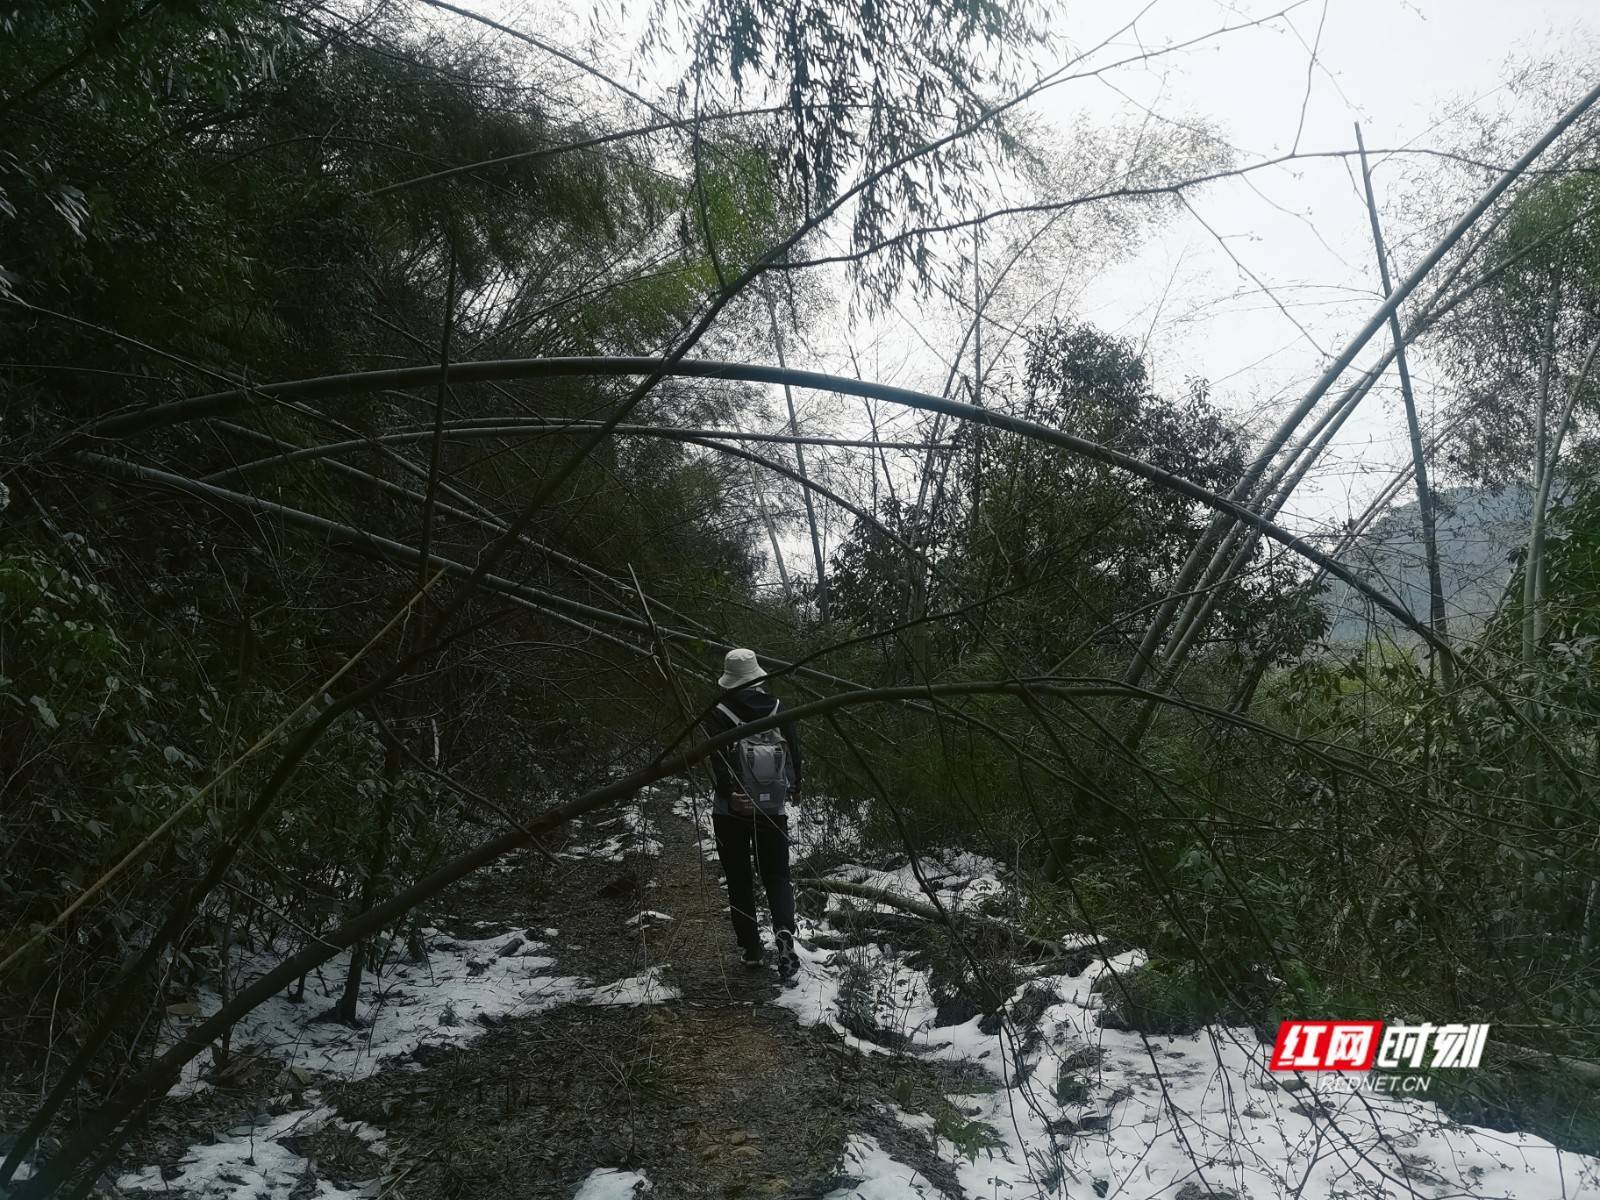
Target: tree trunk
(348,1008)
(1535,619)
(1533,560)
(772,535)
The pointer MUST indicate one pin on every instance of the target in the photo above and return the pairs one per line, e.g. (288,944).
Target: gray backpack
(761,765)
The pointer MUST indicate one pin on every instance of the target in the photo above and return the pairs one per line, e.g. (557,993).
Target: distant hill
(1479,532)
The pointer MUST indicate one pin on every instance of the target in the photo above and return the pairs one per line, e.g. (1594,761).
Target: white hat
(740,668)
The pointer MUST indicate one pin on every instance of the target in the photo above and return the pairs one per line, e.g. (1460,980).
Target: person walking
(756,778)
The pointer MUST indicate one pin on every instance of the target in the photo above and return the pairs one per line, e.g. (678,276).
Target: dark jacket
(751,704)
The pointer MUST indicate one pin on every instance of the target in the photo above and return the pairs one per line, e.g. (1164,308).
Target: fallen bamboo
(927,912)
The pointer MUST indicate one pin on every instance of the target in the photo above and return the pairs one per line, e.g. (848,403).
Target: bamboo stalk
(1225,523)
(1419,461)
(927,912)
(1298,460)
(800,462)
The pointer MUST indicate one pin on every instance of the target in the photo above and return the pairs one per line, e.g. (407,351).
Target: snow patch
(880,1177)
(254,1164)
(1074,1104)
(632,832)
(649,917)
(609,1183)
(448,1000)
(24,1169)
(646,988)
(961,879)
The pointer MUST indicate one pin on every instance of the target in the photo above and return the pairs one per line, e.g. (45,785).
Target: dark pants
(771,838)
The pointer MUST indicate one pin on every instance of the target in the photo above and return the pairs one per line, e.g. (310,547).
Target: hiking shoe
(753,960)
(788,960)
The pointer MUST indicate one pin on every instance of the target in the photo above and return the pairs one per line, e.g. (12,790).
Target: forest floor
(580,1029)
(705,1087)
(712,1093)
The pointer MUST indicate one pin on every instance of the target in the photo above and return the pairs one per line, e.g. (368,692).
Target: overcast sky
(1400,67)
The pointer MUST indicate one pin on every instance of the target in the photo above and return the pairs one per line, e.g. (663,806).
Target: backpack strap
(728,754)
(738,720)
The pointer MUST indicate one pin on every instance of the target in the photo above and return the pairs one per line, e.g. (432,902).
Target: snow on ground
(630,831)
(962,879)
(900,1001)
(250,1162)
(443,1001)
(23,1172)
(1133,1116)
(879,1176)
(448,999)
(646,918)
(695,805)
(440,1002)
(1073,1109)
(609,1183)
(1079,1110)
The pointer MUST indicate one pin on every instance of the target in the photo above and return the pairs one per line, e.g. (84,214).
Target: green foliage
(1163,996)
(859,87)
(87,729)
(1064,545)
(238,190)
(1066,555)
(1498,342)
(968,1137)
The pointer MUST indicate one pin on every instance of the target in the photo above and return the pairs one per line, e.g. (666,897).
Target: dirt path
(715,1093)
(703,1081)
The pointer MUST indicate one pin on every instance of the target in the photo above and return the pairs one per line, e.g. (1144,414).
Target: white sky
(1397,66)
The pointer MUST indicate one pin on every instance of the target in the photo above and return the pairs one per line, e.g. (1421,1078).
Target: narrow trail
(580,1018)
(709,1089)
(764,1107)
(697,946)
(754,1099)
(580,1024)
